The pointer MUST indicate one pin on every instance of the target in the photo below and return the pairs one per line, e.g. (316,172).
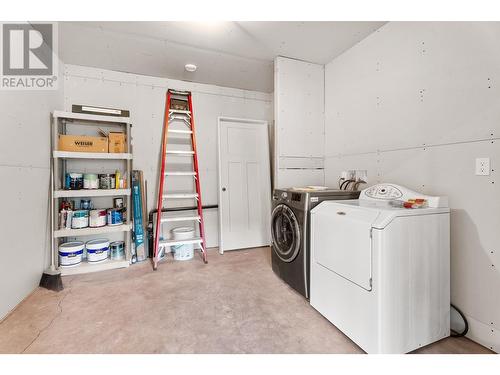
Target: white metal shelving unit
(61,233)
(90,193)
(84,267)
(59,160)
(90,155)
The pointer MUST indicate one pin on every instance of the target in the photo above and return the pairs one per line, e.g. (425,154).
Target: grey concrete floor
(234,304)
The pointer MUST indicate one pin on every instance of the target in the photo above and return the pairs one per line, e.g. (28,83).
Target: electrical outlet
(482,166)
(361,175)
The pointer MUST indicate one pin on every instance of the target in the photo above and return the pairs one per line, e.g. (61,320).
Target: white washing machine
(381,272)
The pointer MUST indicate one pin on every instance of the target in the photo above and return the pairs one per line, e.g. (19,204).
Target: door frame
(220,121)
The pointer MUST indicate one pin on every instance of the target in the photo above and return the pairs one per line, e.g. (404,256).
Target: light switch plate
(482,166)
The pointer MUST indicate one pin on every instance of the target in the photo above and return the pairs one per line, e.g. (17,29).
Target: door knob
(223,189)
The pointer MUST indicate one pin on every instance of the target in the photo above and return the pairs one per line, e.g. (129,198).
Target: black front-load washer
(290,220)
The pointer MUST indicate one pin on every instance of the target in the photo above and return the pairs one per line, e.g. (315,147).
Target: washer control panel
(382,191)
(392,193)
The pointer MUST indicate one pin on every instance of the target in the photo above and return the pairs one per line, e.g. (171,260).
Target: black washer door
(285,232)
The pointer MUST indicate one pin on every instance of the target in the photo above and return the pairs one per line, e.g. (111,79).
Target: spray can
(117,179)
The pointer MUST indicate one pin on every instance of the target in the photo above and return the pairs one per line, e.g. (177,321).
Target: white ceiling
(232,54)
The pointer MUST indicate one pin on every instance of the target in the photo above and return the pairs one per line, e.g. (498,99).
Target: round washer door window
(285,232)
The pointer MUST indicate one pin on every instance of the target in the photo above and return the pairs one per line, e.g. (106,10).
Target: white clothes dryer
(380,272)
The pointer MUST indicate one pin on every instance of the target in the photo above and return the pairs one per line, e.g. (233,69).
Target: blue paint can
(115,216)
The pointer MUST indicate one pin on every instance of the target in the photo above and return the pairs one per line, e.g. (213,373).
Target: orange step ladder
(178,108)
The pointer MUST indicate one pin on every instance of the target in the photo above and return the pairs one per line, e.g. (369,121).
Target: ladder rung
(180,173)
(181,242)
(182,97)
(180,218)
(180,195)
(178,131)
(178,152)
(179,111)
(178,92)
(186,119)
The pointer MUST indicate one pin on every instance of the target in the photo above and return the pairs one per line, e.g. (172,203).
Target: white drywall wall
(299,123)
(24,191)
(144,96)
(415,104)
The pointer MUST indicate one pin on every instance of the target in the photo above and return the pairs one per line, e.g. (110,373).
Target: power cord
(344,184)
(466,324)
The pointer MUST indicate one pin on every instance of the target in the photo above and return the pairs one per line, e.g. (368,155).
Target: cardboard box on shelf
(82,143)
(116,142)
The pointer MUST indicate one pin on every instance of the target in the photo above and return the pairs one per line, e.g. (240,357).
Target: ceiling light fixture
(190,67)
(210,25)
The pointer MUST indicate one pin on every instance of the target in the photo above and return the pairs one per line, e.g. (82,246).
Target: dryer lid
(341,241)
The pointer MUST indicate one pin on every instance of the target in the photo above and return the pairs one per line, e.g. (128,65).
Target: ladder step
(180,173)
(182,97)
(180,195)
(184,118)
(180,218)
(176,131)
(181,242)
(179,111)
(179,92)
(178,152)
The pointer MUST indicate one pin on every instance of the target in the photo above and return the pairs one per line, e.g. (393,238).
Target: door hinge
(371,282)
(371,232)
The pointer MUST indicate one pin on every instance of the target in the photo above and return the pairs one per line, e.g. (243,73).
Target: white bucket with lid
(97,250)
(70,253)
(185,251)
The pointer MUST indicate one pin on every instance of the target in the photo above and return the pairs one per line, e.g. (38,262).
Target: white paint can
(90,181)
(80,219)
(70,254)
(97,218)
(97,250)
(184,251)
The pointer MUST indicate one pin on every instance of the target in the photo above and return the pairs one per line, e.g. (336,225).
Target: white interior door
(244,184)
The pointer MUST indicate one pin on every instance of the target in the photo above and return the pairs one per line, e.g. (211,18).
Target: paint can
(106,181)
(70,253)
(117,250)
(97,218)
(85,204)
(118,202)
(65,217)
(184,251)
(90,181)
(97,250)
(80,219)
(74,181)
(115,216)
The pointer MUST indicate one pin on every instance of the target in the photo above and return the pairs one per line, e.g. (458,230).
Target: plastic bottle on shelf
(117,179)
